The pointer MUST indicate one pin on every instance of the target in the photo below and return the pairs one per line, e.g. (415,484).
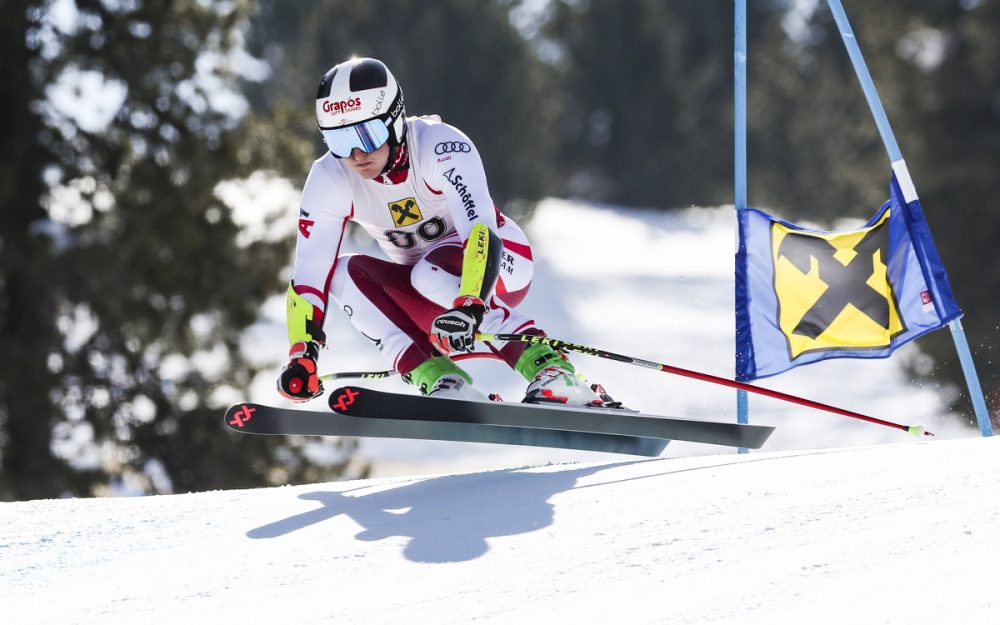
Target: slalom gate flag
(804,295)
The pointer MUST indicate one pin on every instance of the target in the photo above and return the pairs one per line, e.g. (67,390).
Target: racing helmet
(359,104)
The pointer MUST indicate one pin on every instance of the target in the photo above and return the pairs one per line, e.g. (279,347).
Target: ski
(261,419)
(362,402)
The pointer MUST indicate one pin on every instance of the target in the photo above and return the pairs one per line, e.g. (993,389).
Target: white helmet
(360,105)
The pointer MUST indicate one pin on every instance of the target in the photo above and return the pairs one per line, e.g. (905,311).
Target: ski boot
(564,386)
(552,379)
(440,377)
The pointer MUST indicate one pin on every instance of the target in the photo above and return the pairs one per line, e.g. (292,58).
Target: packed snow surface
(833,521)
(903,534)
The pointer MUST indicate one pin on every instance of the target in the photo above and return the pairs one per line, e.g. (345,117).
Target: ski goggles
(369,136)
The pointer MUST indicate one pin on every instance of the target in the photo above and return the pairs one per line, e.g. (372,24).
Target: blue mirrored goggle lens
(369,136)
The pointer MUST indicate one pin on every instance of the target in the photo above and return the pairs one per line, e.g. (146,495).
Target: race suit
(421,213)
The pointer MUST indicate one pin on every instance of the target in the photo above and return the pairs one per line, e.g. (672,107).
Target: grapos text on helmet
(341,106)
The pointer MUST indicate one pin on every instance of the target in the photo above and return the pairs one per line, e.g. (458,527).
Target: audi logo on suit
(452,146)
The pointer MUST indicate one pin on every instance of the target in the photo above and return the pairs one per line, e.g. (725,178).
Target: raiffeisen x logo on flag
(833,290)
(804,295)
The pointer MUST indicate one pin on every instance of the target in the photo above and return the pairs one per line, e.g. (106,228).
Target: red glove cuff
(463,301)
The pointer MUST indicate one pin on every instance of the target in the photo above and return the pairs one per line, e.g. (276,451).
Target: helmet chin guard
(353,94)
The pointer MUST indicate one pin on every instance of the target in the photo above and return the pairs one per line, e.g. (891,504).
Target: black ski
(260,419)
(363,402)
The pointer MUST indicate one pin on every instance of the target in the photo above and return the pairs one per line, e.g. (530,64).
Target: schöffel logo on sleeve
(463,193)
(446,147)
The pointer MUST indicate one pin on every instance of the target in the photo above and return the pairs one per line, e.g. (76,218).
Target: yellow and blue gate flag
(805,295)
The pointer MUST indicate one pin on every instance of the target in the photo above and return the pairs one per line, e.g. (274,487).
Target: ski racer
(456,264)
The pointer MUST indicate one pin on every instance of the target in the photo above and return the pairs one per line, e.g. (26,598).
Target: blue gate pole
(740,132)
(896,157)
(971,377)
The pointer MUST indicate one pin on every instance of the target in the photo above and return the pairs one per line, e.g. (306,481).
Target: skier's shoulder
(327,185)
(433,137)
(326,169)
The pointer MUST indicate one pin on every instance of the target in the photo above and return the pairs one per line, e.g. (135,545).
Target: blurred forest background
(120,265)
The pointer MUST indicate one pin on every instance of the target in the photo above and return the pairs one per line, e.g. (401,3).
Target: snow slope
(657,285)
(900,534)
(834,521)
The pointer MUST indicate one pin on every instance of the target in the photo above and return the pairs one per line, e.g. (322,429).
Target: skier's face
(368,164)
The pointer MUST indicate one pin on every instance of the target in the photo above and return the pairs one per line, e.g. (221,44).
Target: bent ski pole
(916,430)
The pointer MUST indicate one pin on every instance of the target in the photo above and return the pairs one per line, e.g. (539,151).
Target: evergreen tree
(122,270)
(953,145)
(649,122)
(649,92)
(815,152)
(27,302)
(459,59)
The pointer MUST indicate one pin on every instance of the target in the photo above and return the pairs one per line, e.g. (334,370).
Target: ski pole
(916,430)
(366,375)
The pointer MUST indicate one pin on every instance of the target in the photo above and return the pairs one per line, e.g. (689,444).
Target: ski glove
(455,329)
(299,380)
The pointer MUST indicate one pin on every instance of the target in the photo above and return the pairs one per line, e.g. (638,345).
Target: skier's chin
(369,171)
(369,165)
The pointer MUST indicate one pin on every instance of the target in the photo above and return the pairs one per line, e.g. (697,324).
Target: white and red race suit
(421,213)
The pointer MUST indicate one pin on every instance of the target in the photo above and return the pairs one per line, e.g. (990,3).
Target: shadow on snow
(447,519)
